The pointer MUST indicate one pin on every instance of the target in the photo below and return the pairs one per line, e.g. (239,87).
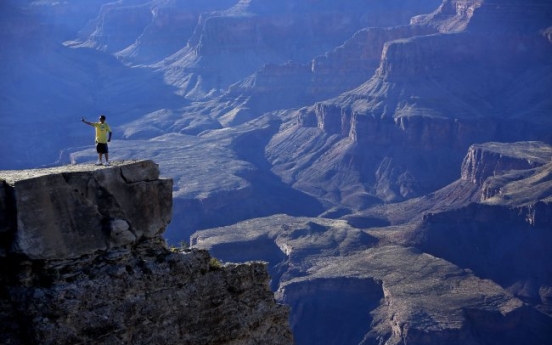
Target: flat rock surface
(74,210)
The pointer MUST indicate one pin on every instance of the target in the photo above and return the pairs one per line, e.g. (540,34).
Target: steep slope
(291,85)
(384,292)
(395,137)
(422,248)
(214,185)
(485,171)
(431,97)
(146,31)
(494,220)
(231,45)
(512,221)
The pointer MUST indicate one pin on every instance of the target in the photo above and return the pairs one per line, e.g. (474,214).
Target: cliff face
(451,16)
(76,211)
(354,287)
(490,159)
(145,31)
(430,98)
(83,261)
(230,45)
(291,85)
(513,215)
(468,264)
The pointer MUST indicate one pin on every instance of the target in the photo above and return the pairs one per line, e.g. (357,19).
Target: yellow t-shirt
(101,132)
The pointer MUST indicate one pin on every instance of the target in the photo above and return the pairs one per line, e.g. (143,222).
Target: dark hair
(102,117)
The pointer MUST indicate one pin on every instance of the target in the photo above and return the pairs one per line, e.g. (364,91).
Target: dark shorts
(101,148)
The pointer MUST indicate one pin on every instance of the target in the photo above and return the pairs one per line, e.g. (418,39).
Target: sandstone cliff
(431,97)
(506,243)
(495,219)
(492,159)
(467,264)
(83,261)
(292,84)
(353,287)
(232,44)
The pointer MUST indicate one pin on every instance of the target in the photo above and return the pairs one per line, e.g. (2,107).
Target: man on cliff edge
(102,138)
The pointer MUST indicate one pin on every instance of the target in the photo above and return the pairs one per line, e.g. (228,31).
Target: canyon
(429,270)
(389,160)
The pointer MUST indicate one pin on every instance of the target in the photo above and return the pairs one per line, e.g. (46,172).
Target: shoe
(98,163)
(107,164)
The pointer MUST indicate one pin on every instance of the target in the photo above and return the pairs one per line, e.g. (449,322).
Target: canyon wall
(354,286)
(397,135)
(490,159)
(505,235)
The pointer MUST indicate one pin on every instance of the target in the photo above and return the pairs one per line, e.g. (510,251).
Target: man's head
(102,118)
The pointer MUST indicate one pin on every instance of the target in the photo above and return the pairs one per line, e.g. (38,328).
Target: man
(102,138)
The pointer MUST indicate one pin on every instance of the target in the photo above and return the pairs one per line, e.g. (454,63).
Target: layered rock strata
(491,159)
(432,96)
(230,45)
(292,84)
(353,287)
(83,261)
(469,263)
(504,234)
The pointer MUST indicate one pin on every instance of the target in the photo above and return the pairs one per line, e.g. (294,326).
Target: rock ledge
(83,262)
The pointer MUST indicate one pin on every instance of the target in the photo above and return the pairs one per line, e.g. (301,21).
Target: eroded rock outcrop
(83,261)
(375,292)
(67,212)
(291,85)
(432,96)
(513,214)
(451,16)
(468,264)
(230,45)
(485,160)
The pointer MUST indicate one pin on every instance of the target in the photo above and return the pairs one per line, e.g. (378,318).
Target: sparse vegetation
(181,247)
(215,264)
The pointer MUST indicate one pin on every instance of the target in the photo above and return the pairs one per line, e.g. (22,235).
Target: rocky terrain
(83,261)
(458,267)
(393,136)
(390,160)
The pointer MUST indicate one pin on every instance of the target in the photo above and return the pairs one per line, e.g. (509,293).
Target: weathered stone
(456,282)
(160,297)
(397,293)
(86,264)
(490,159)
(142,171)
(120,233)
(71,211)
(415,116)
(6,214)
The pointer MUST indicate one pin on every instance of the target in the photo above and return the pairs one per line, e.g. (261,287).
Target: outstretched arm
(88,123)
